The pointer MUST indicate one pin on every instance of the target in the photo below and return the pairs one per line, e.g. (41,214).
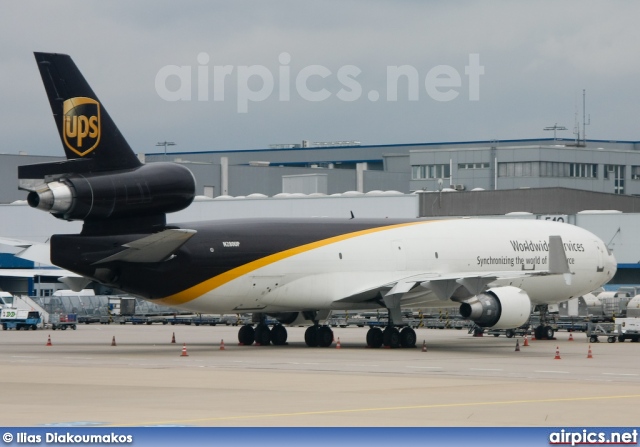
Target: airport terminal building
(332,168)
(593,184)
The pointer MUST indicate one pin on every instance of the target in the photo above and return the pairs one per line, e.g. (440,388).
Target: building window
(635,172)
(616,173)
(422,172)
(473,165)
(547,169)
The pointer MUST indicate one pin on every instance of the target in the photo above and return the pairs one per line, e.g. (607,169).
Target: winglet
(558,263)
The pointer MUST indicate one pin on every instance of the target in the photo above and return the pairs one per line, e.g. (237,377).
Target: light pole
(165,144)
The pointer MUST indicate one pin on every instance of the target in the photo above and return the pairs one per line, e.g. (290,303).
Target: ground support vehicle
(629,329)
(18,319)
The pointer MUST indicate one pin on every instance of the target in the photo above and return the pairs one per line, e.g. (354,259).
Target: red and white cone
(49,341)
(424,346)
(589,354)
(526,340)
(557,357)
(184,350)
(173,338)
(517,345)
(222,345)
(113,341)
(338,346)
(570,336)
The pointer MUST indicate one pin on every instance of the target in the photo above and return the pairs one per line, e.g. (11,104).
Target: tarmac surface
(461,380)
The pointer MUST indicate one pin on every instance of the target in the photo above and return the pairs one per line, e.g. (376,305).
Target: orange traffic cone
(184,350)
(557,357)
(589,354)
(517,345)
(424,346)
(113,341)
(49,341)
(338,344)
(173,338)
(526,340)
(222,345)
(570,336)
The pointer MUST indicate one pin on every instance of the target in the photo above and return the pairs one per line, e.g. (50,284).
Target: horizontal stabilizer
(20,243)
(32,273)
(154,248)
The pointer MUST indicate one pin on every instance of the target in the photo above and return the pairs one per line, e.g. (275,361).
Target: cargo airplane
(287,271)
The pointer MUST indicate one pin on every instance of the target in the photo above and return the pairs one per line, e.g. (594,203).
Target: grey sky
(537,58)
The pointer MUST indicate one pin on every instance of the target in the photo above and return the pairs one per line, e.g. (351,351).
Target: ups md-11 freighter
(293,270)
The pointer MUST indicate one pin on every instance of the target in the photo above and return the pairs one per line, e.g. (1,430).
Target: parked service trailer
(623,329)
(63,321)
(596,330)
(510,333)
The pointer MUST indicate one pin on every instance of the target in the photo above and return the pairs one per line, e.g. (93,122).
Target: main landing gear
(318,336)
(262,335)
(322,336)
(314,336)
(391,337)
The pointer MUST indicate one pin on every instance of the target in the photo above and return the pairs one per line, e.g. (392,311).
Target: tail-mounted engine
(156,188)
(498,308)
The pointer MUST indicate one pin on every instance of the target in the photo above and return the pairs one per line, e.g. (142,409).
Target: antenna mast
(584,121)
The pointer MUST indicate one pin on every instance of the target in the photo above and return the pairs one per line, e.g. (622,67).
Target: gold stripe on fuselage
(200,289)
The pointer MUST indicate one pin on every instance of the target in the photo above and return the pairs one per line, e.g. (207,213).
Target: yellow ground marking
(368,410)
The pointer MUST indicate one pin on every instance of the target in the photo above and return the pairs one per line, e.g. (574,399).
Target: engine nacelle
(499,308)
(155,188)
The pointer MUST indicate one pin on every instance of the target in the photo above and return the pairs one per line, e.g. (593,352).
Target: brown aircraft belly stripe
(200,289)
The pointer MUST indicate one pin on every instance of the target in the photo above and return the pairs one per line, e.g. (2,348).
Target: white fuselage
(324,275)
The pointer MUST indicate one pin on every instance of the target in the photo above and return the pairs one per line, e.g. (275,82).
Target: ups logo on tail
(81,124)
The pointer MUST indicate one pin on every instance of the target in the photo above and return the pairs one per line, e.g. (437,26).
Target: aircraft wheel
(391,337)
(246,335)
(374,337)
(311,336)
(510,333)
(548,333)
(263,334)
(538,332)
(621,338)
(279,335)
(325,336)
(408,338)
